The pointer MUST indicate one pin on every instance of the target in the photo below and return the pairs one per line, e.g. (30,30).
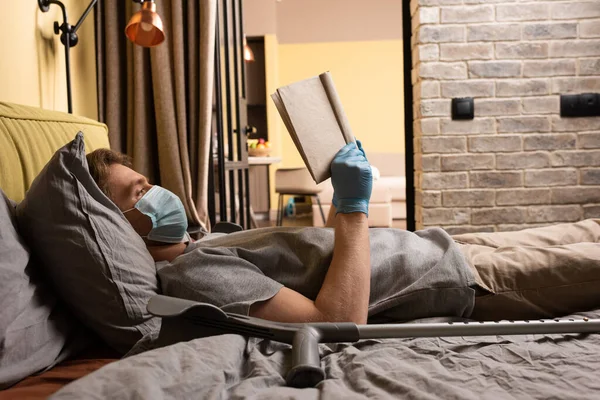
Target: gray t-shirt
(413,274)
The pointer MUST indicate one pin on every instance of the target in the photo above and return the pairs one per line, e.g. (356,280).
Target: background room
(361,45)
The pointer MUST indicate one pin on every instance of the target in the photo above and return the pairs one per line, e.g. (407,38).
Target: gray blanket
(230,366)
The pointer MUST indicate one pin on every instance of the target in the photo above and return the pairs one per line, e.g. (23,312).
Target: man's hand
(352,180)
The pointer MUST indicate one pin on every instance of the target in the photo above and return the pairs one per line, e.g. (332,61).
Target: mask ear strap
(126,211)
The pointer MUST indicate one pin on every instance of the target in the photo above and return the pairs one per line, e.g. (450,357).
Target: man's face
(127,187)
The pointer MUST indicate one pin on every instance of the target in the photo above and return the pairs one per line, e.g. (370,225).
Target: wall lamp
(145,28)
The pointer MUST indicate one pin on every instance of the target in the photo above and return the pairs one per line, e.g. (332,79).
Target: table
(263,160)
(260,193)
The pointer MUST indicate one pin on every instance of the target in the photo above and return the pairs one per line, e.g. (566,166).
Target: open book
(313,115)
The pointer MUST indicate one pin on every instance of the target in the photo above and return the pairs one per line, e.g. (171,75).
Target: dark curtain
(157,102)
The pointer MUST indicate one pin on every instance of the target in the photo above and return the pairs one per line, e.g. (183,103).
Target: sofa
(392,174)
(29,136)
(388,198)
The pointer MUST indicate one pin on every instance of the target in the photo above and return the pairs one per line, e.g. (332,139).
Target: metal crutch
(184,320)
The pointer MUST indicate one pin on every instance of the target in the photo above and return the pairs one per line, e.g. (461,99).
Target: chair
(296,182)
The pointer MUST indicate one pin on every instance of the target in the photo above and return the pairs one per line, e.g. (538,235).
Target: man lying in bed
(351,272)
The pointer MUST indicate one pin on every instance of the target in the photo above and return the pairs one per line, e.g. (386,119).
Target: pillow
(35,331)
(95,260)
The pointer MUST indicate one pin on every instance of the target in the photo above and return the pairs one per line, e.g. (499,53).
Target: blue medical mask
(169,221)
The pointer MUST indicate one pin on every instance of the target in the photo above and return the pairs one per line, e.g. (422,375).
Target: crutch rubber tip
(304,376)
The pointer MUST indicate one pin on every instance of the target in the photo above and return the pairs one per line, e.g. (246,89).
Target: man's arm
(344,295)
(347,284)
(331,217)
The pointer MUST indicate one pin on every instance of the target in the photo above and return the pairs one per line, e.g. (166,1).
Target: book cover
(314,117)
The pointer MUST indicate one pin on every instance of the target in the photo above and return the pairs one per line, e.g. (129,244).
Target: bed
(231,366)
(86,361)
(41,386)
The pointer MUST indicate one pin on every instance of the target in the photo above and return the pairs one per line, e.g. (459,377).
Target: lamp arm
(84,15)
(68,38)
(45,5)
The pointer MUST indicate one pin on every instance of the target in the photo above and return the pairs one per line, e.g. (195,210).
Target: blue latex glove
(352,180)
(334,199)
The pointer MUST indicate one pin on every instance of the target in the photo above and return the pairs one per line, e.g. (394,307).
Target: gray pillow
(95,260)
(36,332)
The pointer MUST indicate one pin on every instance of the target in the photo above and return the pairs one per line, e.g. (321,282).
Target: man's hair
(99,162)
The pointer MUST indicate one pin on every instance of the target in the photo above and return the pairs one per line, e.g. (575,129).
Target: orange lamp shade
(145,28)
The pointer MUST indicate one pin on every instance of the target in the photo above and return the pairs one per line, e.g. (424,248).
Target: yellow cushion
(29,136)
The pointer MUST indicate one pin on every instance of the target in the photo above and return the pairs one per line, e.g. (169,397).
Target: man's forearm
(331,217)
(344,295)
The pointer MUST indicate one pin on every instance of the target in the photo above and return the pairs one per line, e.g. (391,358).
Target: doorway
(363,45)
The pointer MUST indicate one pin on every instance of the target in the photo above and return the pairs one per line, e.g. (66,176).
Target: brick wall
(517,164)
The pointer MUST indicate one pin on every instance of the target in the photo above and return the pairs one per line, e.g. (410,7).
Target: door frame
(408,117)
